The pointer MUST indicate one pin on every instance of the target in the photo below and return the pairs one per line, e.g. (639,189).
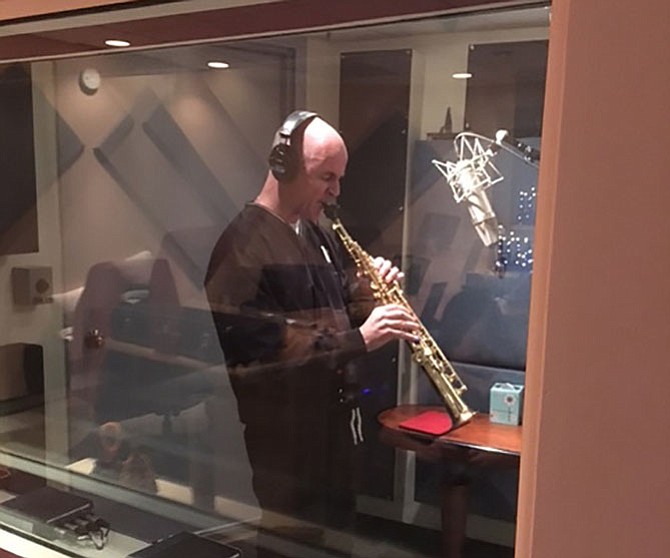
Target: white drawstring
(360,424)
(356,426)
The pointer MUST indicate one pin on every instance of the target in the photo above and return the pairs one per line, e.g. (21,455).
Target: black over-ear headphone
(284,159)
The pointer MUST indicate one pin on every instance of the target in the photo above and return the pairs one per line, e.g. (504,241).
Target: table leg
(454,518)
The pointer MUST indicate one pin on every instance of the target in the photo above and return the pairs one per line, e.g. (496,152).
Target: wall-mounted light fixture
(461,75)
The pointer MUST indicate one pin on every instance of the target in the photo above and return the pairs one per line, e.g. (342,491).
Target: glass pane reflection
(118,385)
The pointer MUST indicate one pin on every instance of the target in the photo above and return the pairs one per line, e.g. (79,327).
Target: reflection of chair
(155,354)
(188,251)
(129,340)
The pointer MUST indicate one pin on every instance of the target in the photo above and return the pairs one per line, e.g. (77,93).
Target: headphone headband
(284,159)
(294,121)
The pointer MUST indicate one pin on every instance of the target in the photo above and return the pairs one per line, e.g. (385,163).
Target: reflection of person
(118,460)
(286,310)
(487,324)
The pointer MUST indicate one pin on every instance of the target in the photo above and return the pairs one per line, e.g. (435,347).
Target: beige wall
(436,57)
(595,477)
(105,220)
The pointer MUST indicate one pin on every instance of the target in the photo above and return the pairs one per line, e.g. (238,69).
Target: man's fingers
(388,322)
(401,323)
(400,312)
(387,270)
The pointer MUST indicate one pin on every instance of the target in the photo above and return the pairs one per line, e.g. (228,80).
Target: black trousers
(303,477)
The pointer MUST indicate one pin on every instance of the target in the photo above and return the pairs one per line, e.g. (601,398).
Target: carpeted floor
(405,539)
(381,538)
(20,404)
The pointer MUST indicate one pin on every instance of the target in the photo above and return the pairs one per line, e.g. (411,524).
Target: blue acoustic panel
(150,181)
(178,150)
(436,233)
(424,174)
(70,146)
(18,194)
(107,148)
(122,175)
(191,249)
(239,168)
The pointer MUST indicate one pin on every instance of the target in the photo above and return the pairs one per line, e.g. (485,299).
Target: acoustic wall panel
(18,197)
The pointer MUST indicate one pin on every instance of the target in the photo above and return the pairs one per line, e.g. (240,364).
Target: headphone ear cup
(284,159)
(282,162)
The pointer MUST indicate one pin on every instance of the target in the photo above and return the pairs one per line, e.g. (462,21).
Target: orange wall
(14,9)
(595,471)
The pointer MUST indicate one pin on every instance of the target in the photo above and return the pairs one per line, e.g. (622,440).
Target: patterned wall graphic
(152,167)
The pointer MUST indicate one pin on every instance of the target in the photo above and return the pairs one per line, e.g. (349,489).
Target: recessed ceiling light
(116,43)
(218,65)
(461,75)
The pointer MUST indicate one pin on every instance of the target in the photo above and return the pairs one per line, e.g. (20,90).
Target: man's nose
(334,189)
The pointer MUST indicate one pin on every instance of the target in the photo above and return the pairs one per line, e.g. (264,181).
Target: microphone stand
(516,147)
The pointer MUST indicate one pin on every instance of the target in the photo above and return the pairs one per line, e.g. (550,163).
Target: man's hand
(386,323)
(387,271)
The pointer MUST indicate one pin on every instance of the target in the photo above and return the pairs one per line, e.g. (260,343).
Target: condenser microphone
(472,187)
(469,178)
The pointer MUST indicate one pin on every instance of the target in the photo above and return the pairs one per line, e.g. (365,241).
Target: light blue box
(506,403)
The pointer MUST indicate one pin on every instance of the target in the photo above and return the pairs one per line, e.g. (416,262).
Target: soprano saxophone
(425,351)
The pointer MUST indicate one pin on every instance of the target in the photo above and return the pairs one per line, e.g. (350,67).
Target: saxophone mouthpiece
(331,210)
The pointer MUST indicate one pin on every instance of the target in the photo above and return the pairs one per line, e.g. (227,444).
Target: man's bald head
(318,161)
(319,140)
